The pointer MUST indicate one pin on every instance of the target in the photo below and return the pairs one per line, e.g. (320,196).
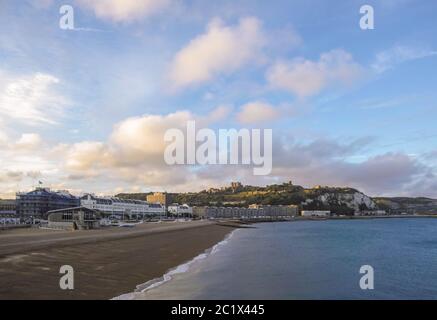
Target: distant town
(62,210)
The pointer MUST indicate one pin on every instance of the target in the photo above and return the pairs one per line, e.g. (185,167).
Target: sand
(107,262)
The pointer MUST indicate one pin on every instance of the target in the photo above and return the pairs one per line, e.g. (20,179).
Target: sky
(86,109)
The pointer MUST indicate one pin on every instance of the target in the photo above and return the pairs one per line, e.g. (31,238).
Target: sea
(310,260)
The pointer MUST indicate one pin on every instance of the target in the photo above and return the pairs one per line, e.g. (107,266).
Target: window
(88,216)
(68,216)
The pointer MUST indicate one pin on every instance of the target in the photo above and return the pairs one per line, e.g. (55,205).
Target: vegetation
(408,205)
(133,196)
(238,195)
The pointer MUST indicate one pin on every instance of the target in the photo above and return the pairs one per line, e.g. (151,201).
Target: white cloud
(388,59)
(135,145)
(6,176)
(31,99)
(22,159)
(218,114)
(257,112)
(141,139)
(3,138)
(87,155)
(306,78)
(133,153)
(28,141)
(220,50)
(124,10)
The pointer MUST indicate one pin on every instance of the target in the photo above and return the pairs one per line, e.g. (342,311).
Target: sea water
(311,260)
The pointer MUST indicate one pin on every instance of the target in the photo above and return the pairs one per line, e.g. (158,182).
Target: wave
(182,268)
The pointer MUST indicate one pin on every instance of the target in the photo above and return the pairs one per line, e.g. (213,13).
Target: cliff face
(345,201)
(356,200)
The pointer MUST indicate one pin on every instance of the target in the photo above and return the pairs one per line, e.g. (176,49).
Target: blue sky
(84,109)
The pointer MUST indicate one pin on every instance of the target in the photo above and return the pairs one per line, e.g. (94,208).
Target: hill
(408,205)
(339,200)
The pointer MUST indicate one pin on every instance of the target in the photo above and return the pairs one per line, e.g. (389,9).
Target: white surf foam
(182,268)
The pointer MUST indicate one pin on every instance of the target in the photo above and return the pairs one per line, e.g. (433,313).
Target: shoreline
(171,273)
(106,264)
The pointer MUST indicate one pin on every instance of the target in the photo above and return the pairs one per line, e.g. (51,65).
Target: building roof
(73,208)
(7,201)
(115,200)
(47,192)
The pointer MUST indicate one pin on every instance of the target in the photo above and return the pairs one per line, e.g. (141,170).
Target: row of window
(68,216)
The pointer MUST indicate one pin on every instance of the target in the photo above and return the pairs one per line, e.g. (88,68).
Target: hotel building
(7,208)
(112,206)
(37,203)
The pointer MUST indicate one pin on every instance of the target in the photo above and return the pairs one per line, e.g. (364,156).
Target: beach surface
(107,262)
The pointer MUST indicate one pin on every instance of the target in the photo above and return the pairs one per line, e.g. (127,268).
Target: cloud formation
(22,160)
(327,162)
(257,112)
(28,141)
(132,156)
(134,150)
(31,99)
(388,59)
(220,50)
(124,10)
(148,133)
(305,78)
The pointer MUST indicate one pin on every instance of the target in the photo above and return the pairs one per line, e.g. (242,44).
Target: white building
(371,213)
(254,211)
(9,221)
(316,213)
(121,207)
(180,210)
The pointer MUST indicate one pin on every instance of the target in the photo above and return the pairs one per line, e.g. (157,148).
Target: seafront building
(254,211)
(315,213)
(183,210)
(79,218)
(37,203)
(8,208)
(163,198)
(371,213)
(281,211)
(127,208)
